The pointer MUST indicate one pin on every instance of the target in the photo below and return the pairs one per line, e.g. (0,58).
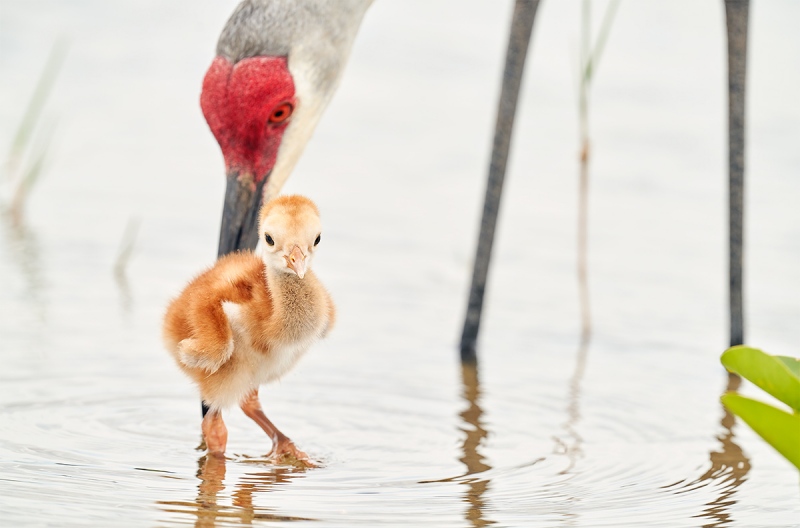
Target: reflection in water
(207,507)
(125,297)
(121,264)
(23,247)
(472,458)
(729,466)
(729,469)
(572,447)
(475,433)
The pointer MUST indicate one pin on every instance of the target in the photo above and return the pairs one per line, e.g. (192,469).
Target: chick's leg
(281,444)
(215,433)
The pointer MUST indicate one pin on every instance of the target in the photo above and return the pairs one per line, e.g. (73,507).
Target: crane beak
(243,199)
(297,262)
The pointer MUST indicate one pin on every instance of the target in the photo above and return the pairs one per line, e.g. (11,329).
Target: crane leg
(736,16)
(518,40)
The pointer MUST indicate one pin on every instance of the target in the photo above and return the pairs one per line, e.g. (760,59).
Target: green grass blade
(770,373)
(593,60)
(33,172)
(37,102)
(780,429)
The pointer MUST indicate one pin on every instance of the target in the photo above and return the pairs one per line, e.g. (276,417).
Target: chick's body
(252,316)
(234,327)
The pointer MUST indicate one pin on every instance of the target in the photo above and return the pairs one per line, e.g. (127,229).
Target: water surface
(98,427)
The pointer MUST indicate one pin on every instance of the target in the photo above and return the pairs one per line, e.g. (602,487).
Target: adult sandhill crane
(278,64)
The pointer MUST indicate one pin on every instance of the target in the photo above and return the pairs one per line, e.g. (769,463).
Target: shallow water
(98,427)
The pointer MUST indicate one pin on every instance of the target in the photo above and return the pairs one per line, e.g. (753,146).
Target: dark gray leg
(736,14)
(521,27)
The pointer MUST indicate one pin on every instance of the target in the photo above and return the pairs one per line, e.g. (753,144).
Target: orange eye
(281,113)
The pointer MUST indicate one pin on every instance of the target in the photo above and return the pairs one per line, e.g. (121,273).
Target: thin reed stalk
(589,61)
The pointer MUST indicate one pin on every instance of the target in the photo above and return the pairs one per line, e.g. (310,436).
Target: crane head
(277,66)
(248,106)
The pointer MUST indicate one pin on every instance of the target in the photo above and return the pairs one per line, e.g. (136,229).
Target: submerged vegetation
(778,376)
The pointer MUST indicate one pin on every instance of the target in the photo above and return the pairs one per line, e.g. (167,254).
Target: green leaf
(779,428)
(792,363)
(779,376)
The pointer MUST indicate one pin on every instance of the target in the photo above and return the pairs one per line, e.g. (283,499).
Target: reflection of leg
(212,476)
(281,444)
(215,433)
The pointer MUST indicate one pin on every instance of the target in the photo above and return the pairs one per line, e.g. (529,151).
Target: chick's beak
(297,261)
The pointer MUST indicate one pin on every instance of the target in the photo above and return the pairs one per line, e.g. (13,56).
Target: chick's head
(289,230)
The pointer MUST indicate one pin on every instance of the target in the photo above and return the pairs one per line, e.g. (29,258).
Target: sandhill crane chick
(250,318)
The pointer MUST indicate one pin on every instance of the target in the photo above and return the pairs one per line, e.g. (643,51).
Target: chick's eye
(281,113)
(319,237)
(269,239)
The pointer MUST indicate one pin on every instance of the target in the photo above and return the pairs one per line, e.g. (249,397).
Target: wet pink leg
(281,444)
(215,433)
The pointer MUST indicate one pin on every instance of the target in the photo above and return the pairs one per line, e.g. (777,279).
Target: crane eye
(269,239)
(319,237)
(281,113)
